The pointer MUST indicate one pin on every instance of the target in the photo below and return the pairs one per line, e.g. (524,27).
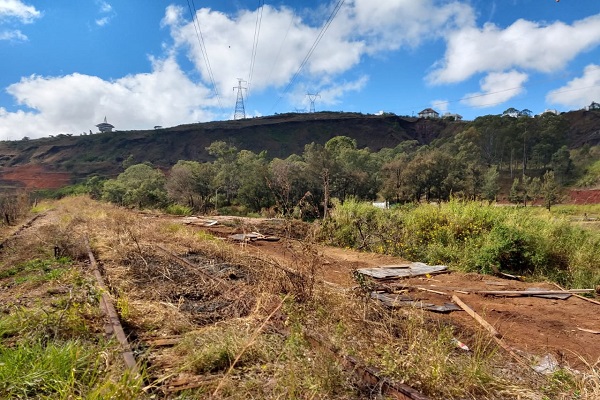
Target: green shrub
(471,236)
(178,209)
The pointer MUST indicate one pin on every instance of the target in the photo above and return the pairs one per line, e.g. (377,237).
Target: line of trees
(304,185)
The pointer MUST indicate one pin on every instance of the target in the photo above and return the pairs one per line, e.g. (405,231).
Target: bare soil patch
(534,326)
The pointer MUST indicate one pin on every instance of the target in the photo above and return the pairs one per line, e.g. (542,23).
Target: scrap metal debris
(403,270)
(253,236)
(395,301)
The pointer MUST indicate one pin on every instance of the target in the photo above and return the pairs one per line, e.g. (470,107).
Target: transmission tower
(240,111)
(312,97)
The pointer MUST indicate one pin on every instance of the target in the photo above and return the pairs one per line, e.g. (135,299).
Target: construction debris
(403,270)
(396,301)
(532,292)
(253,236)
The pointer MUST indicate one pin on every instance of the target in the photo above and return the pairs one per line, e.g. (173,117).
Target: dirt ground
(532,326)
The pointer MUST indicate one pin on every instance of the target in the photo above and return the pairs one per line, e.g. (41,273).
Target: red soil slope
(33,176)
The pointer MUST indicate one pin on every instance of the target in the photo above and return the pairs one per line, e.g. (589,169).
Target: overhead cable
(333,14)
(259,13)
(200,37)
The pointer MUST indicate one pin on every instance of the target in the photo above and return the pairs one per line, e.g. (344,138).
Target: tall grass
(471,236)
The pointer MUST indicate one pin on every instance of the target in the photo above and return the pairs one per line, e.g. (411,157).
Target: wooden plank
(578,296)
(476,316)
(531,292)
(589,331)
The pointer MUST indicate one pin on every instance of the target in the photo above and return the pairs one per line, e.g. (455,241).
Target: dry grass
(217,306)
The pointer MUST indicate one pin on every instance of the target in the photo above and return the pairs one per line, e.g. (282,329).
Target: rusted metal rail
(113,325)
(368,375)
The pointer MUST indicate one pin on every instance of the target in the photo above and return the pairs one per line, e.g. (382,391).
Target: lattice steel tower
(312,97)
(240,111)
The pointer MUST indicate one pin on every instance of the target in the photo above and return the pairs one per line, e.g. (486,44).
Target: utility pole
(240,111)
(312,97)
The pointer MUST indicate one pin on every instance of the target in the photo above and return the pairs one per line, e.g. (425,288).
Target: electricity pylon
(240,111)
(312,97)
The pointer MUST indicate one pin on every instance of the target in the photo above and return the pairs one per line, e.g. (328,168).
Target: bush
(469,236)
(178,209)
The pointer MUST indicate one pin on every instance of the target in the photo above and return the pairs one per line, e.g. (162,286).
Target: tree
(253,191)
(189,182)
(515,196)
(550,190)
(227,175)
(319,168)
(491,187)
(140,185)
(561,164)
(287,182)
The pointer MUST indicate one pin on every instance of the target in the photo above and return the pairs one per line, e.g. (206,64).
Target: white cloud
(103,21)
(524,44)
(441,105)
(19,10)
(391,24)
(76,102)
(167,96)
(104,8)
(361,28)
(497,88)
(579,92)
(15,36)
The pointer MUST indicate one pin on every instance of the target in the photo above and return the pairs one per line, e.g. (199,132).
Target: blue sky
(67,64)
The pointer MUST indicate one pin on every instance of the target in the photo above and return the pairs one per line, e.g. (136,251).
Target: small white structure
(105,126)
(429,113)
(454,117)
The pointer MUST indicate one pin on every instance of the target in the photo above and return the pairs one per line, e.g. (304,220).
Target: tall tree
(189,183)
(550,190)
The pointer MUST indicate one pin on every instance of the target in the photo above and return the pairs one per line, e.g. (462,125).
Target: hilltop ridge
(76,157)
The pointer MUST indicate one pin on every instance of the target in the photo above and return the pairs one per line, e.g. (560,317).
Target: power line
(333,14)
(203,51)
(259,14)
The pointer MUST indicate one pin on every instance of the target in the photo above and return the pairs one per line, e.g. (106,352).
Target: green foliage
(48,370)
(140,186)
(470,236)
(176,209)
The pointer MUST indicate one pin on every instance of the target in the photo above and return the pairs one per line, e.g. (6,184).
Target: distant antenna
(312,97)
(240,111)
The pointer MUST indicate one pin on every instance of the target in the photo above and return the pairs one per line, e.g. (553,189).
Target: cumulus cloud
(361,28)
(16,9)
(167,96)
(497,88)
(579,92)
(13,36)
(388,25)
(524,44)
(76,102)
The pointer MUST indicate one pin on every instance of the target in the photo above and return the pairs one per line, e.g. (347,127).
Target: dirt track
(532,326)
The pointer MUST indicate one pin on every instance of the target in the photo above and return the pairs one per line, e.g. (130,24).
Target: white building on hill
(105,126)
